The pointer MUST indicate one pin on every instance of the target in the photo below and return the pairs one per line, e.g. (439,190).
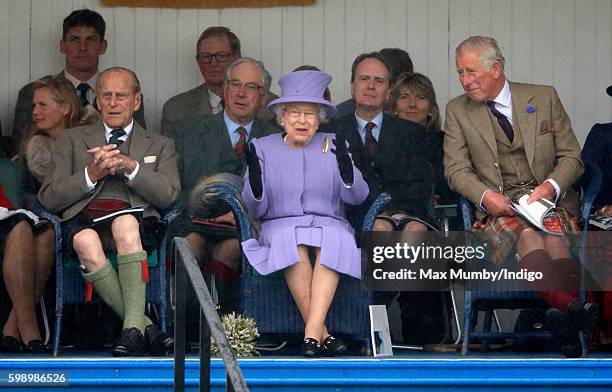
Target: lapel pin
(530,108)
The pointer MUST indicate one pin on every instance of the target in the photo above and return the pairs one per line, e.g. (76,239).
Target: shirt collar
(361,124)
(232,125)
(215,101)
(127,130)
(75,82)
(504,97)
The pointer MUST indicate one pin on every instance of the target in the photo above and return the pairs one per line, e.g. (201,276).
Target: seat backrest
(10,177)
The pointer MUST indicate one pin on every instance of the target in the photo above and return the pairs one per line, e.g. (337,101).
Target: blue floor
(407,371)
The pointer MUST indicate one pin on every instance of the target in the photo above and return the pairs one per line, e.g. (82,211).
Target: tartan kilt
(502,232)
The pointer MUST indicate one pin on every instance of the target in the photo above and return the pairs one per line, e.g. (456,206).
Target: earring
(429,115)
(282,123)
(395,114)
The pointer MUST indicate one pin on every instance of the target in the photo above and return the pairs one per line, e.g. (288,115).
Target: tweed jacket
(470,148)
(155,186)
(196,102)
(400,167)
(22,118)
(204,148)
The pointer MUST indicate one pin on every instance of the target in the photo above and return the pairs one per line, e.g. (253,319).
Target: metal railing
(188,274)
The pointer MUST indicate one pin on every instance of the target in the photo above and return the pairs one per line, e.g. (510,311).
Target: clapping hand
(252,161)
(345,165)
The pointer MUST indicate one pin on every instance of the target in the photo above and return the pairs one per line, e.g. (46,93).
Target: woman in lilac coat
(297,184)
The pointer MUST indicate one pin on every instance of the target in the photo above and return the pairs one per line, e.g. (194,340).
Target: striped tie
(241,143)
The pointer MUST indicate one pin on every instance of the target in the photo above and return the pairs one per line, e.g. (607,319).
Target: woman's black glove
(250,156)
(344,161)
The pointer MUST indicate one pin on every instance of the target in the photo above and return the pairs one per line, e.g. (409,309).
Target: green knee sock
(106,283)
(134,289)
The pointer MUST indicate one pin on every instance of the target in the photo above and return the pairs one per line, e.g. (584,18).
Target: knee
(46,240)
(414,226)
(381,225)
(126,233)
(86,243)
(528,241)
(21,233)
(229,252)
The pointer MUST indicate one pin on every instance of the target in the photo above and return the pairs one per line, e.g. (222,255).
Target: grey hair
(206,201)
(280,108)
(266,78)
(486,46)
(135,83)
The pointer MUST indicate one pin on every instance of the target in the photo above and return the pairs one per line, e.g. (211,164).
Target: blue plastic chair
(487,299)
(268,301)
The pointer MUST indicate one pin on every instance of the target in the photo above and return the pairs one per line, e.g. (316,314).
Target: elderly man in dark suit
(504,138)
(108,166)
(212,144)
(216,49)
(82,44)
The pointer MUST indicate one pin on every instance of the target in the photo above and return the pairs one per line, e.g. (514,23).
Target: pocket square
(150,159)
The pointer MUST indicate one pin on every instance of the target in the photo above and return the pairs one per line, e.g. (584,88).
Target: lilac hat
(305,86)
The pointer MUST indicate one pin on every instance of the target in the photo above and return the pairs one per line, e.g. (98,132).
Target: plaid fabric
(503,232)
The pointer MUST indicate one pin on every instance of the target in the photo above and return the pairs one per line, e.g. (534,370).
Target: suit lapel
(523,120)
(202,104)
(95,136)
(478,114)
(139,143)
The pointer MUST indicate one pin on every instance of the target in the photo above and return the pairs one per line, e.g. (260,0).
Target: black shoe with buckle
(131,343)
(565,333)
(332,346)
(159,344)
(311,348)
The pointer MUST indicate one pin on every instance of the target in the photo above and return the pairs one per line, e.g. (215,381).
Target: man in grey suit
(108,166)
(216,49)
(502,139)
(212,144)
(82,43)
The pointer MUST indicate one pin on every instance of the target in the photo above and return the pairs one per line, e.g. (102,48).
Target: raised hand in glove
(344,161)
(250,156)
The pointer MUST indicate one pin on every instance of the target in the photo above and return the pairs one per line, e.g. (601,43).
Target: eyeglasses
(206,57)
(295,114)
(250,87)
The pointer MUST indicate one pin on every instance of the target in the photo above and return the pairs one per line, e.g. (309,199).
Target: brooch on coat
(325,144)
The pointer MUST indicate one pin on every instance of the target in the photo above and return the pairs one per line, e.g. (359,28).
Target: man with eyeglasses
(216,49)
(212,144)
(82,44)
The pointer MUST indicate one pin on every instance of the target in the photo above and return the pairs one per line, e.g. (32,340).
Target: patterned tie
(241,143)
(116,134)
(503,121)
(83,88)
(370,142)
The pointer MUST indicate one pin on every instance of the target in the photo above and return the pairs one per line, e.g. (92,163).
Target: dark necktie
(241,143)
(370,142)
(503,121)
(83,88)
(116,134)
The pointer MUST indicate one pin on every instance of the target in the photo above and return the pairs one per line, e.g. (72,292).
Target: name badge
(150,159)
